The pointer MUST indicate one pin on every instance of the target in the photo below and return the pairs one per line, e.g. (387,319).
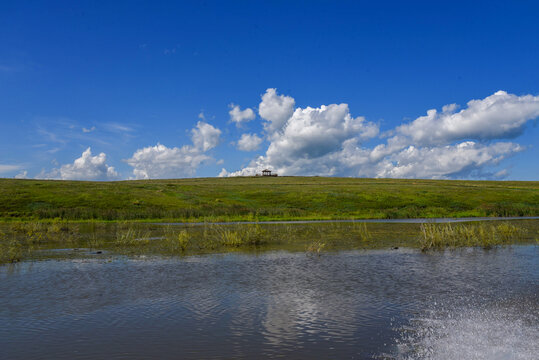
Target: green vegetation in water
(18,240)
(11,250)
(439,236)
(316,247)
(37,240)
(263,198)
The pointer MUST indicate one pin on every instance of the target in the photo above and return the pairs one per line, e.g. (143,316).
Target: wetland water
(386,221)
(403,304)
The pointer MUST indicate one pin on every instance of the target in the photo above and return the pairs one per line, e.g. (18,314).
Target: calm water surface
(403,304)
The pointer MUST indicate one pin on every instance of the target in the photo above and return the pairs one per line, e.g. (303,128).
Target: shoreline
(388,221)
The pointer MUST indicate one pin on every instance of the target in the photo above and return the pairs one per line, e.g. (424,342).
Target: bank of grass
(259,198)
(60,238)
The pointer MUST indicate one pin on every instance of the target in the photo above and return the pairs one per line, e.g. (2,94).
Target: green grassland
(259,198)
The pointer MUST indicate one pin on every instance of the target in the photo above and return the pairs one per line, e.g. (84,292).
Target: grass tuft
(237,236)
(11,249)
(176,242)
(439,236)
(316,247)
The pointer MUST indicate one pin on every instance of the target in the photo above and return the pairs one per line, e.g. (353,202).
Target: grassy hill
(276,198)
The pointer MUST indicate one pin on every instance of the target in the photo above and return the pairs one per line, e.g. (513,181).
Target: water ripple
(354,304)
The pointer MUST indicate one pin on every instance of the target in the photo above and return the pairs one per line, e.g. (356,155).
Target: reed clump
(11,249)
(211,237)
(361,232)
(183,240)
(227,237)
(439,236)
(40,232)
(176,242)
(237,236)
(316,247)
(131,237)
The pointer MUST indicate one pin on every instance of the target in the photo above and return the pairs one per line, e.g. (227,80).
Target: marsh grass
(235,236)
(175,241)
(183,241)
(20,241)
(228,237)
(11,249)
(361,232)
(316,247)
(439,236)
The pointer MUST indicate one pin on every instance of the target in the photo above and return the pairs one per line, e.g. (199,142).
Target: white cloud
(205,136)
(87,167)
(87,130)
(498,116)
(249,142)
(310,141)
(327,140)
(117,127)
(160,161)
(22,175)
(276,109)
(239,116)
(9,168)
(451,161)
(223,173)
(315,132)
(501,174)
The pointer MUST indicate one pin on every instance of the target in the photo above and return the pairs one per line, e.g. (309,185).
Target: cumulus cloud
(249,142)
(22,175)
(450,161)
(328,140)
(160,161)
(275,109)
(239,116)
(205,136)
(315,132)
(223,173)
(87,167)
(309,139)
(498,116)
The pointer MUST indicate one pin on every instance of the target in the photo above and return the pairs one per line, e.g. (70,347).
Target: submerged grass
(316,247)
(176,242)
(34,240)
(438,236)
(11,249)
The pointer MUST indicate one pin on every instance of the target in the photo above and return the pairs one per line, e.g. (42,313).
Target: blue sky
(135,89)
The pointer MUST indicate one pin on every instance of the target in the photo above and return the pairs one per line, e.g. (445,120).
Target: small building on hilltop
(266,172)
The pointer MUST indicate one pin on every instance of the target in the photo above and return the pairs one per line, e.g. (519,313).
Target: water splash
(502,331)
